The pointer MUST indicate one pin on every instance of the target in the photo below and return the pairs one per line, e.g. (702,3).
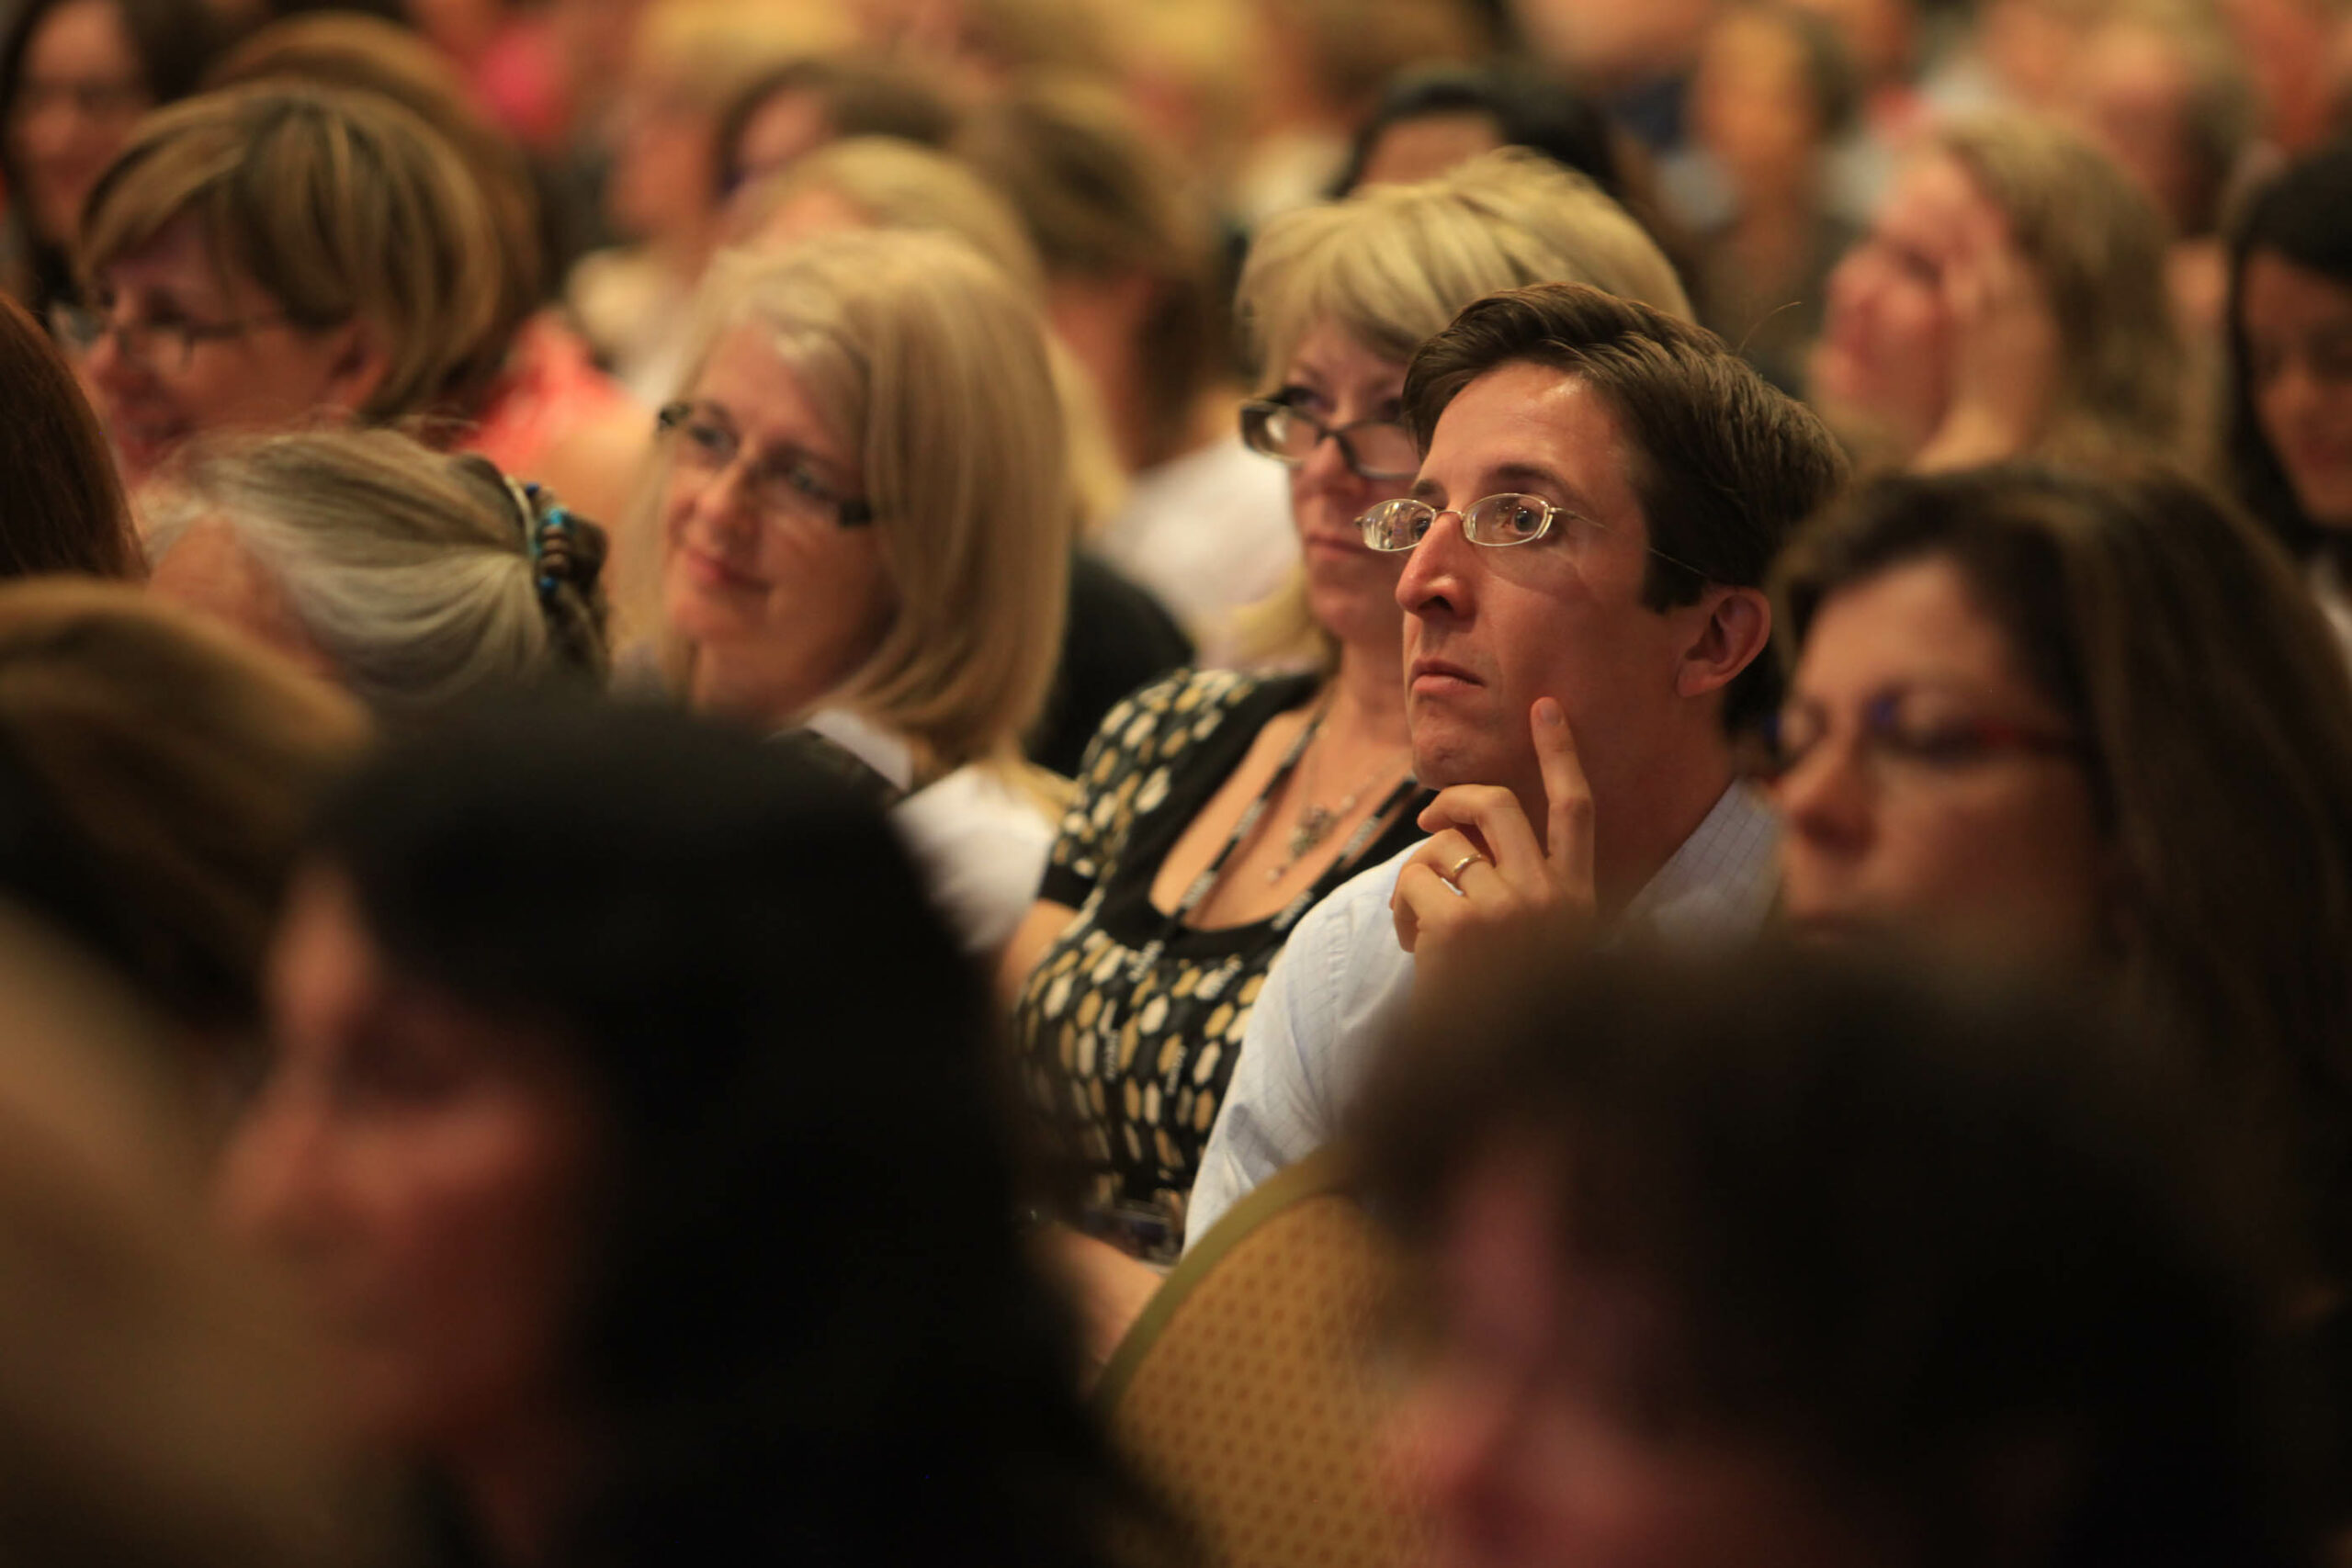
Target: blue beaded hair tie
(546,534)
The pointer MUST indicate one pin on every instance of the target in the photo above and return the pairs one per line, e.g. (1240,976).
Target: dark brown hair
(1908,1230)
(2298,217)
(1725,466)
(2219,717)
(157,773)
(862,96)
(65,506)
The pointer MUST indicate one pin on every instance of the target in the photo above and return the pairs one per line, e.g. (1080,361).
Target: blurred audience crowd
(1102,784)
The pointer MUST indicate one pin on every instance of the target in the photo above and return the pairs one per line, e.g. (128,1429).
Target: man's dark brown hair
(1724,465)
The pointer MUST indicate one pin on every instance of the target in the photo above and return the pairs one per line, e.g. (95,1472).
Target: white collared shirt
(1341,983)
(981,841)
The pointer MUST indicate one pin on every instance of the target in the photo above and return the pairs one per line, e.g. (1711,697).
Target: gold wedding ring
(1454,872)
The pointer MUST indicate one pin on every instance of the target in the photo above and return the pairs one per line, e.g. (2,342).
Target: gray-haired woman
(408,576)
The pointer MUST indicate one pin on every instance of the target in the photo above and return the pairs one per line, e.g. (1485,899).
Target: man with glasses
(1601,489)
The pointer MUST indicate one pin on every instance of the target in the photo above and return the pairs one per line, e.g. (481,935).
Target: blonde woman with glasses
(864,525)
(1214,807)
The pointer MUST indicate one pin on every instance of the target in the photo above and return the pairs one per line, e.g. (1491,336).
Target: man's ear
(1737,623)
(357,369)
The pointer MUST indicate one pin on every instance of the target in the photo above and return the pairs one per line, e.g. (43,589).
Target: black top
(1118,637)
(1130,1023)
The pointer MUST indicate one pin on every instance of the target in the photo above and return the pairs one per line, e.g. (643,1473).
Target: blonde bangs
(1392,265)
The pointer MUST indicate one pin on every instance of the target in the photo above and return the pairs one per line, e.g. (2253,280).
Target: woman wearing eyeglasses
(2094,723)
(1216,807)
(864,528)
(265,256)
(74,77)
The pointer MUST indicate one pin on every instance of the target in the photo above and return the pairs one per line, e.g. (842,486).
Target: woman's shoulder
(982,839)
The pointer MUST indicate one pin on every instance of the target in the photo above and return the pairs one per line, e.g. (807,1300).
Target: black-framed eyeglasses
(782,481)
(1496,522)
(168,344)
(1909,729)
(1371,449)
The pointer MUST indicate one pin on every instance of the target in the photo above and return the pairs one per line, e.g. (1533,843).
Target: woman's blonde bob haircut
(931,368)
(1390,265)
(341,206)
(2099,247)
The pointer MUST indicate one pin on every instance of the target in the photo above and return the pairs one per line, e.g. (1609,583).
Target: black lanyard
(1148,955)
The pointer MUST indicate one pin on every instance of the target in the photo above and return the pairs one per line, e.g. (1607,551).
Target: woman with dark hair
(631,1126)
(806,104)
(2092,723)
(1435,118)
(2288,407)
(66,511)
(74,75)
(1781,1262)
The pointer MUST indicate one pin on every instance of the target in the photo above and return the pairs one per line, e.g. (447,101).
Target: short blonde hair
(2098,246)
(1390,265)
(343,207)
(416,573)
(932,365)
(899,185)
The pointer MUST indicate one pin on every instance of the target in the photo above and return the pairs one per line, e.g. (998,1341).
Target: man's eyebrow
(1542,481)
(1428,489)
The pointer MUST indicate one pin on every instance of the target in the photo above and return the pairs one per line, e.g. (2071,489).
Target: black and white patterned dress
(1129,1023)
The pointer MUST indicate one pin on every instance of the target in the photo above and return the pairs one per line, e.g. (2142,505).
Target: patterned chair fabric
(1247,1392)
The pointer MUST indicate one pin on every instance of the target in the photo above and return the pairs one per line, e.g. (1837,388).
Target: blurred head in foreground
(155,773)
(152,1398)
(633,1111)
(1786,1264)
